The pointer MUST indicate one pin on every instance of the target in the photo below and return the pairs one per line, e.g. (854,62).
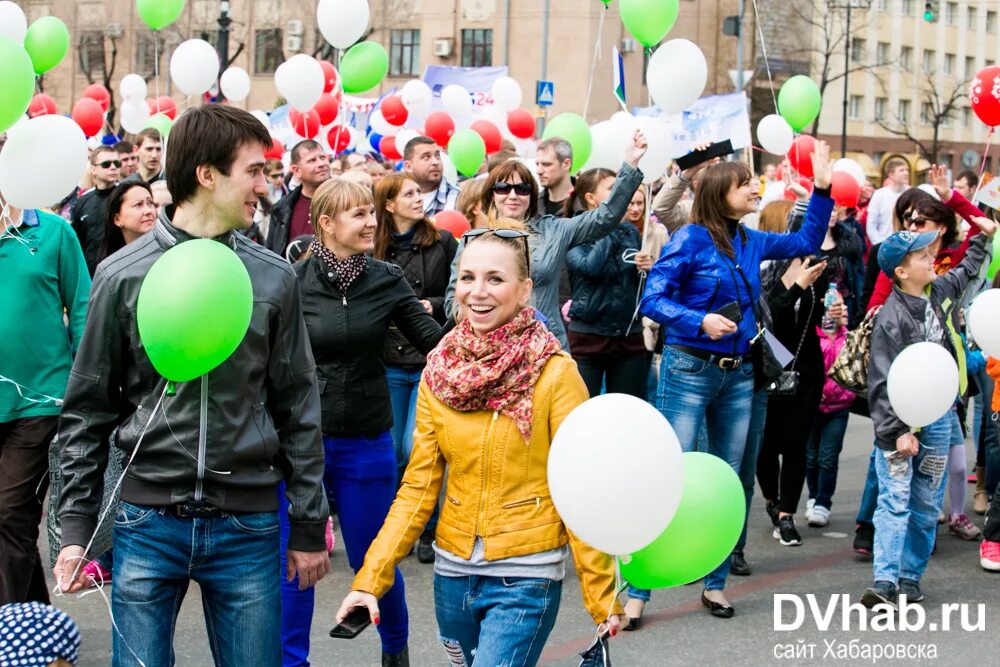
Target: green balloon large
(363,67)
(467,151)
(17,81)
(575,130)
(649,21)
(194,308)
(160,122)
(799,101)
(47,42)
(702,533)
(159,13)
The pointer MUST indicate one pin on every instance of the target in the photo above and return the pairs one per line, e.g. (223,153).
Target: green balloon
(467,151)
(160,122)
(17,81)
(159,13)
(194,308)
(47,42)
(702,533)
(649,21)
(363,67)
(575,130)
(799,101)
(994,267)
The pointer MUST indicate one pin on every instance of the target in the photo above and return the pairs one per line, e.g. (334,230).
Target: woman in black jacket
(408,239)
(350,300)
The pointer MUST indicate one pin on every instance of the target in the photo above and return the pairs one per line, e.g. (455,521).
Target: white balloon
(13,22)
(194,66)
(404,137)
(448,169)
(506,93)
(607,149)
(775,134)
(416,96)
(456,100)
(355,138)
(532,166)
(378,123)
(134,114)
(235,84)
(51,145)
(677,75)
(300,80)
(603,443)
(262,117)
(133,87)
(21,123)
(922,384)
(984,322)
(622,121)
(342,22)
(852,168)
(659,148)
(526,148)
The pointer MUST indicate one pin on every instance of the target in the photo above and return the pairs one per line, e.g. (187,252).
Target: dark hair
(412,144)
(971,177)
(586,182)
(503,173)
(389,187)
(150,133)
(904,203)
(934,210)
(209,135)
(114,240)
(125,147)
(301,147)
(710,209)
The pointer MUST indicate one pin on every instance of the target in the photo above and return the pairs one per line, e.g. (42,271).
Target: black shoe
(883,592)
(425,552)
(911,589)
(772,511)
(717,608)
(739,565)
(401,659)
(785,532)
(864,539)
(633,624)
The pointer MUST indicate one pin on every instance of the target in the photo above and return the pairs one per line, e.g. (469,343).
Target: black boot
(401,659)
(739,565)
(425,552)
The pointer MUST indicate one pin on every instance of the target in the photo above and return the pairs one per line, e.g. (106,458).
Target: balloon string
(763,50)
(982,167)
(18,387)
(593,61)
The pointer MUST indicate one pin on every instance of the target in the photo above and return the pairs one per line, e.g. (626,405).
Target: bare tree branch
(942,104)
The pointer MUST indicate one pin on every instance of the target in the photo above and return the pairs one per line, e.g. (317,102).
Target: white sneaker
(809,508)
(819,517)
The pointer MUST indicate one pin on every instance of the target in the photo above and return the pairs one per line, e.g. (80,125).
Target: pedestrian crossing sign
(545,93)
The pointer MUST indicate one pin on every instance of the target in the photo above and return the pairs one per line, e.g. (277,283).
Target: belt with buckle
(730,363)
(195,510)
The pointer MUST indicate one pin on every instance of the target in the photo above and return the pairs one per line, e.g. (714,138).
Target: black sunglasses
(107,163)
(503,189)
(507,234)
(276,175)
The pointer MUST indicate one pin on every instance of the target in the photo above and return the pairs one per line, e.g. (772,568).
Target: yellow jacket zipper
(486,464)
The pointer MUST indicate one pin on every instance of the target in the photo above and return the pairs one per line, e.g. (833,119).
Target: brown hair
(498,158)
(774,216)
(894,164)
(505,173)
(586,183)
(710,209)
(470,196)
(150,133)
(387,189)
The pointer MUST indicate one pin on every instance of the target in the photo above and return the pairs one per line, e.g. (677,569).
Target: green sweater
(43,277)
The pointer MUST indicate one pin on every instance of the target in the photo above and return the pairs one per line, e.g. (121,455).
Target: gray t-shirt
(549,564)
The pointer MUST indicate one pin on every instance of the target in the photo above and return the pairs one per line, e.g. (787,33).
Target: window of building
(907,7)
(882,53)
(477,48)
(92,52)
(904,111)
(971,24)
(949,63)
(880,106)
(991,22)
(926,113)
(988,63)
(946,120)
(857,50)
(950,13)
(970,66)
(145,55)
(967,116)
(404,53)
(267,50)
(854,107)
(929,58)
(906,57)
(882,5)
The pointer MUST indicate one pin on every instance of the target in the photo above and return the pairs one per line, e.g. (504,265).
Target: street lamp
(222,44)
(851,4)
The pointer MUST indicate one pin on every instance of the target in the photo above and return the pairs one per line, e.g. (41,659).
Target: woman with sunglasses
(350,300)
(512,192)
(492,397)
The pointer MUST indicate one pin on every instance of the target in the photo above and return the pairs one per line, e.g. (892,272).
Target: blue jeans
(361,477)
(488,621)
(403,385)
(869,495)
(233,558)
(826,440)
(911,492)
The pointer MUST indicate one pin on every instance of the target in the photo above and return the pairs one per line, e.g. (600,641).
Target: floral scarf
(495,372)
(346,270)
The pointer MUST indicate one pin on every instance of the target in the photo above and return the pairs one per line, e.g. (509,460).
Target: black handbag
(787,384)
(766,367)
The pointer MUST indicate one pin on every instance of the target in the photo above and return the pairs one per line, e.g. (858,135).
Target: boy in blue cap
(923,307)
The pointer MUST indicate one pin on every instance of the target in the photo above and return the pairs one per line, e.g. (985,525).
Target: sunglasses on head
(107,163)
(507,234)
(503,189)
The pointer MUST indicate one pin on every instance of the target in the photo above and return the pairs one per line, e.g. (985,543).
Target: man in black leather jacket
(199,498)
(91,209)
(290,216)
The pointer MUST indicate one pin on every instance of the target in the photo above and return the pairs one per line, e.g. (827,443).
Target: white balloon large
(235,84)
(607,149)
(404,137)
(922,384)
(605,442)
(194,66)
(133,87)
(851,167)
(300,80)
(506,93)
(378,123)
(134,114)
(42,162)
(342,22)
(775,134)
(416,96)
(13,22)
(984,322)
(659,148)
(456,100)
(677,75)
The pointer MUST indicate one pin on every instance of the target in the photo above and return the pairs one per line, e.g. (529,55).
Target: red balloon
(163,104)
(985,103)
(521,123)
(305,124)
(41,105)
(394,111)
(453,221)
(89,116)
(339,138)
(439,126)
(800,154)
(329,76)
(96,91)
(276,150)
(328,107)
(845,189)
(387,147)
(490,134)
(779,172)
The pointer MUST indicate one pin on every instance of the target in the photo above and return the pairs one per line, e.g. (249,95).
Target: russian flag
(619,77)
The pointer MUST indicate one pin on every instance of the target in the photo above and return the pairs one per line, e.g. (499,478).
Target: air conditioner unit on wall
(295,27)
(628,45)
(443,47)
(293,43)
(115,30)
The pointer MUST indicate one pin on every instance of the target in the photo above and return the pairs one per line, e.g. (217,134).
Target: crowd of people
(409,381)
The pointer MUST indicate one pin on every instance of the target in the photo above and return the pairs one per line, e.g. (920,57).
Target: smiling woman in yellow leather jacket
(493,394)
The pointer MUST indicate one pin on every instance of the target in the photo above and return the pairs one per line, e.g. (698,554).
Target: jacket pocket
(375,388)
(453,500)
(534,500)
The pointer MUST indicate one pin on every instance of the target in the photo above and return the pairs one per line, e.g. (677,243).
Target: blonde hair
(519,245)
(334,197)
(469,197)
(774,216)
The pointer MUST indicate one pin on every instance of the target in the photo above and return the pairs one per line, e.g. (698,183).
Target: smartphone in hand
(731,311)
(357,620)
(694,158)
